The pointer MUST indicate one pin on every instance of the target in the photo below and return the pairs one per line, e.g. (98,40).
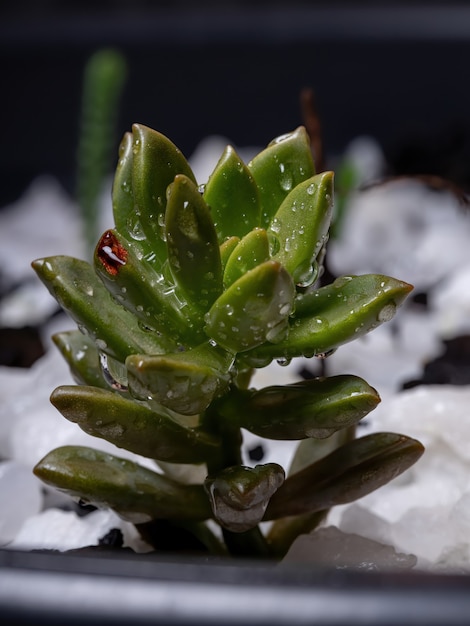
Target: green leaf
(251,251)
(82,357)
(311,408)
(134,492)
(239,495)
(126,218)
(330,316)
(138,287)
(123,198)
(78,290)
(286,162)
(347,474)
(133,426)
(232,195)
(226,248)
(301,224)
(193,249)
(254,309)
(185,382)
(156,162)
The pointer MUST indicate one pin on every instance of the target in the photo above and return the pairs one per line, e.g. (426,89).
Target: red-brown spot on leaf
(110,253)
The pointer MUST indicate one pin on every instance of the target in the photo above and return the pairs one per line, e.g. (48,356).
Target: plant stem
(251,543)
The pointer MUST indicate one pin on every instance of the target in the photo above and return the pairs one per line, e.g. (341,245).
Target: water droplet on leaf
(387,312)
(305,275)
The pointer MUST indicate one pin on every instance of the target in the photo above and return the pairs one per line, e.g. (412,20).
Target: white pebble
(330,547)
(54,529)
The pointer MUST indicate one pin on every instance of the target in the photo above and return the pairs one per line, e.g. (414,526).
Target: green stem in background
(346,181)
(103,82)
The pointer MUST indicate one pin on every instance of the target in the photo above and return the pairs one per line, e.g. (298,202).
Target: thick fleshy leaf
(233,197)
(156,161)
(133,426)
(252,250)
(78,290)
(312,408)
(226,249)
(286,162)
(333,315)
(82,356)
(239,495)
(126,218)
(193,249)
(123,198)
(347,474)
(300,226)
(138,287)
(185,382)
(136,493)
(254,309)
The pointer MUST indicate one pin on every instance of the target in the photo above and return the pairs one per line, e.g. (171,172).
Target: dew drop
(341,281)
(136,146)
(284,361)
(125,186)
(161,227)
(286,181)
(135,228)
(274,245)
(311,189)
(305,275)
(276,225)
(387,312)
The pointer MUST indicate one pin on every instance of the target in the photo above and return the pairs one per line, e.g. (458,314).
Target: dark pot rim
(107,587)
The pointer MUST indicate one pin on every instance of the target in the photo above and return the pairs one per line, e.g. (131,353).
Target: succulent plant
(195,288)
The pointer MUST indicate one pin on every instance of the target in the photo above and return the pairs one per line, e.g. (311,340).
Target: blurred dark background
(395,70)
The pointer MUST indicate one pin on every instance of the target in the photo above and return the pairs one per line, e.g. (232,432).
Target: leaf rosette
(194,287)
